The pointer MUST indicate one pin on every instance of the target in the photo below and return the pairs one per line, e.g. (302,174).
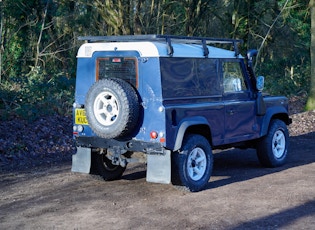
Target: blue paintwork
(151,96)
(149,88)
(276,106)
(190,114)
(224,118)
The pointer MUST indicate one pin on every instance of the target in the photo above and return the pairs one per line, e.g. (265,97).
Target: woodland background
(38,42)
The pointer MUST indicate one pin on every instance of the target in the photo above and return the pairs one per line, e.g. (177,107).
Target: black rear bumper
(128,145)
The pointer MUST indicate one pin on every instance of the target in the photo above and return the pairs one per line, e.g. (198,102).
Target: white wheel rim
(196,164)
(278,144)
(106,108)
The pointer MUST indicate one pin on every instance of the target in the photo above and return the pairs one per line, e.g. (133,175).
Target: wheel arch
(274,113)
(196,125)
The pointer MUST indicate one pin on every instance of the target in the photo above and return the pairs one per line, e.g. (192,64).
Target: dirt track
(240,195)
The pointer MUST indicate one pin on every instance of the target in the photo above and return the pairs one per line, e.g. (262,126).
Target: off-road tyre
(106,169)
(112,108)
(192,166)
(272,149)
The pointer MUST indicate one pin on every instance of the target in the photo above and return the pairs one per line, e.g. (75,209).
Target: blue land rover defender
(175,99)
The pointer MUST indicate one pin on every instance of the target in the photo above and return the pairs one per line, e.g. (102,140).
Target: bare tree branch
(40,35)
(269,30)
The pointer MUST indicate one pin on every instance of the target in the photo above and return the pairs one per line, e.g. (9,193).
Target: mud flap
(159,168)
(81,161)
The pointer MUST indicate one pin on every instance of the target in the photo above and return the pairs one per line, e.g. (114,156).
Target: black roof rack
(168,39)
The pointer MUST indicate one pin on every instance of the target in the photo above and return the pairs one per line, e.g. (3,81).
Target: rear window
(118,67)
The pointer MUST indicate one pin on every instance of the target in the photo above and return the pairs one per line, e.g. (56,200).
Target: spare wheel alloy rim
(278,144)
(196,164)
(106,108)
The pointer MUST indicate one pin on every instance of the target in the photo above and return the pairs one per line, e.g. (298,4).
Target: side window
(189,77)
(233,79)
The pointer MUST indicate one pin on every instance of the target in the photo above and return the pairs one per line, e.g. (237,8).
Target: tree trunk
(1,39)
(311,98)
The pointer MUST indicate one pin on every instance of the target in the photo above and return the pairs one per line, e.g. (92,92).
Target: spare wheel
(112,108)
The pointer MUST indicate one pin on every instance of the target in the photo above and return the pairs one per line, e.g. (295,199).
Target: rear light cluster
(78,129)
(154,135)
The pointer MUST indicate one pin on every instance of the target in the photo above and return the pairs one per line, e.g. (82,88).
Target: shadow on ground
(236,165)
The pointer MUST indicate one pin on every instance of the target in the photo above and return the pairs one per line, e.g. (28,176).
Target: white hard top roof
(159,46)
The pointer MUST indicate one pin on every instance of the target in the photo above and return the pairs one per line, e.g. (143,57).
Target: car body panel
(183,88)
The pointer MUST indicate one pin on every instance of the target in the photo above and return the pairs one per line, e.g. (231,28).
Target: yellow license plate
(80,117)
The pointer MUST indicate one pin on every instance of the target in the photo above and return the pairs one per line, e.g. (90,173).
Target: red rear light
(116,60)
(153,134)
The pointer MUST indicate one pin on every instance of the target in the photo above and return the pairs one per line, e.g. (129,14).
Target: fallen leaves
(44,141)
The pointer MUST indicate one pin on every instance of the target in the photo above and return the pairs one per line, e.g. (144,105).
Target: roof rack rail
(168,39)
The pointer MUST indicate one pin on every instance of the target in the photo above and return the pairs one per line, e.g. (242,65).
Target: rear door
(240,117)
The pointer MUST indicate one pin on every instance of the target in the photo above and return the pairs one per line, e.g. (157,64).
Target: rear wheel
(272,150)
(106,168)
(192,166)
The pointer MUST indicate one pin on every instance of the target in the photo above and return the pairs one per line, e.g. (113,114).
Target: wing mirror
(251,53)
(260,82)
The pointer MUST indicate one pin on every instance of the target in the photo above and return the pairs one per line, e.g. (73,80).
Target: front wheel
(192,166)
(272,150)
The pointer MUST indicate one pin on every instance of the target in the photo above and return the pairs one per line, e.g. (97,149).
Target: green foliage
(285,58)
(38,50)
(33,96)
(290,81)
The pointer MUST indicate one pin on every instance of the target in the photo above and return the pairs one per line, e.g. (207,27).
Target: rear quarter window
(187,77)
